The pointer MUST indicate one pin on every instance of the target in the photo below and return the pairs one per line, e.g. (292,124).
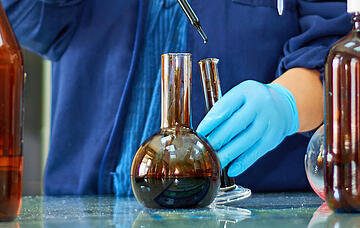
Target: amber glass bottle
(11,95)
(175,168)
(342,120)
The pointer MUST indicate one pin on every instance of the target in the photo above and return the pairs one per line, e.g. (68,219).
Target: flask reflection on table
(207,217)
(325,217)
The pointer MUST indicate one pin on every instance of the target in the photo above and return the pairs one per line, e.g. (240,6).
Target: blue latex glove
(250,120)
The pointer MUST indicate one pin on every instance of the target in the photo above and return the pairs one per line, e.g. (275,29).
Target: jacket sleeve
(45,27)
(321,24)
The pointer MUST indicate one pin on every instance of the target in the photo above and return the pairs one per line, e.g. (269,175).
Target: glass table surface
(260,210)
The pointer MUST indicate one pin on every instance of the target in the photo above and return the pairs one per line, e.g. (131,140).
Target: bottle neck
(176,90)
(7,36)
(356,21)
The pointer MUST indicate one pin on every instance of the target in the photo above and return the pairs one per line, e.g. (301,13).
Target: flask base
(226,195)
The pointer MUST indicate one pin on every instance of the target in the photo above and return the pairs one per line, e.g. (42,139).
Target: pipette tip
(203,35)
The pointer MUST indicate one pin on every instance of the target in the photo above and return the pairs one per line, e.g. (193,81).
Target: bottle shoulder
(348,46)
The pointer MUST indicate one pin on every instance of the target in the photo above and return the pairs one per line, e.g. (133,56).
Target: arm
(254,118)
(307,89)
(321,24)
(45,27)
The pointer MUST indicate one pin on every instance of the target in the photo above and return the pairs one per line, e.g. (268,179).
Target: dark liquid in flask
(182,192)
(342,128)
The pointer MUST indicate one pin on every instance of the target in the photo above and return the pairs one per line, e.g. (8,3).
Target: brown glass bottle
(175,168)
(342,123)
(11,95)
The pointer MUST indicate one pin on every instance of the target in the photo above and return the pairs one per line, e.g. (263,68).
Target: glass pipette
(194,20)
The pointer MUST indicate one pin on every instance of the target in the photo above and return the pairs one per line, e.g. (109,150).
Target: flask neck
(176,90)
(356,21)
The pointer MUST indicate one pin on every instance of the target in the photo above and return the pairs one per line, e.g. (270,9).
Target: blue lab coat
(94,47)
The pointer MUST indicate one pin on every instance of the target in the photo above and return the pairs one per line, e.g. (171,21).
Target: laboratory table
(260,210)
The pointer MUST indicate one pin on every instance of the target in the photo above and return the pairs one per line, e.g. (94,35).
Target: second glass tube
(229,191)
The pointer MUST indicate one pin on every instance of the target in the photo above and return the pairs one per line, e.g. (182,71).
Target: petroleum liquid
(182,192)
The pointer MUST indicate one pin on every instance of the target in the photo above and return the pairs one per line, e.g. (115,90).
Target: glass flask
(229,191)
(11,96)
(314,162)
(175,168)
(342,120)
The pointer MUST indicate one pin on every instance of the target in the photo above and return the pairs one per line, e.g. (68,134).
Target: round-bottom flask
(314,162)
(175,168)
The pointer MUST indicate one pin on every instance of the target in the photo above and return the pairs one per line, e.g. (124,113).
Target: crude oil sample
(11,94)
(342,122)
(175,168)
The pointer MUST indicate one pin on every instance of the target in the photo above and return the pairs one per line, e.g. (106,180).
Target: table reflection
(320,216)
(208,217)
(324,217)
(260,210)
(9,225)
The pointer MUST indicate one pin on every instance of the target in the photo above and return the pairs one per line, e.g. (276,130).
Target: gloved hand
(248,121)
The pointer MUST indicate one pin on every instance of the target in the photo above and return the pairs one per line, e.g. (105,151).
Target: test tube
(212,93)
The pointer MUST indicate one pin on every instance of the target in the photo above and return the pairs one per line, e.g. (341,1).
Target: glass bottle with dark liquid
(175,168)
(229,191)
(11,94)
(342,120)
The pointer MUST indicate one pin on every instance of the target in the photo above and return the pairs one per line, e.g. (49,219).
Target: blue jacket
(94,47)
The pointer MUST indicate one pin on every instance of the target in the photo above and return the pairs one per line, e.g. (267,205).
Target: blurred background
(36,121)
